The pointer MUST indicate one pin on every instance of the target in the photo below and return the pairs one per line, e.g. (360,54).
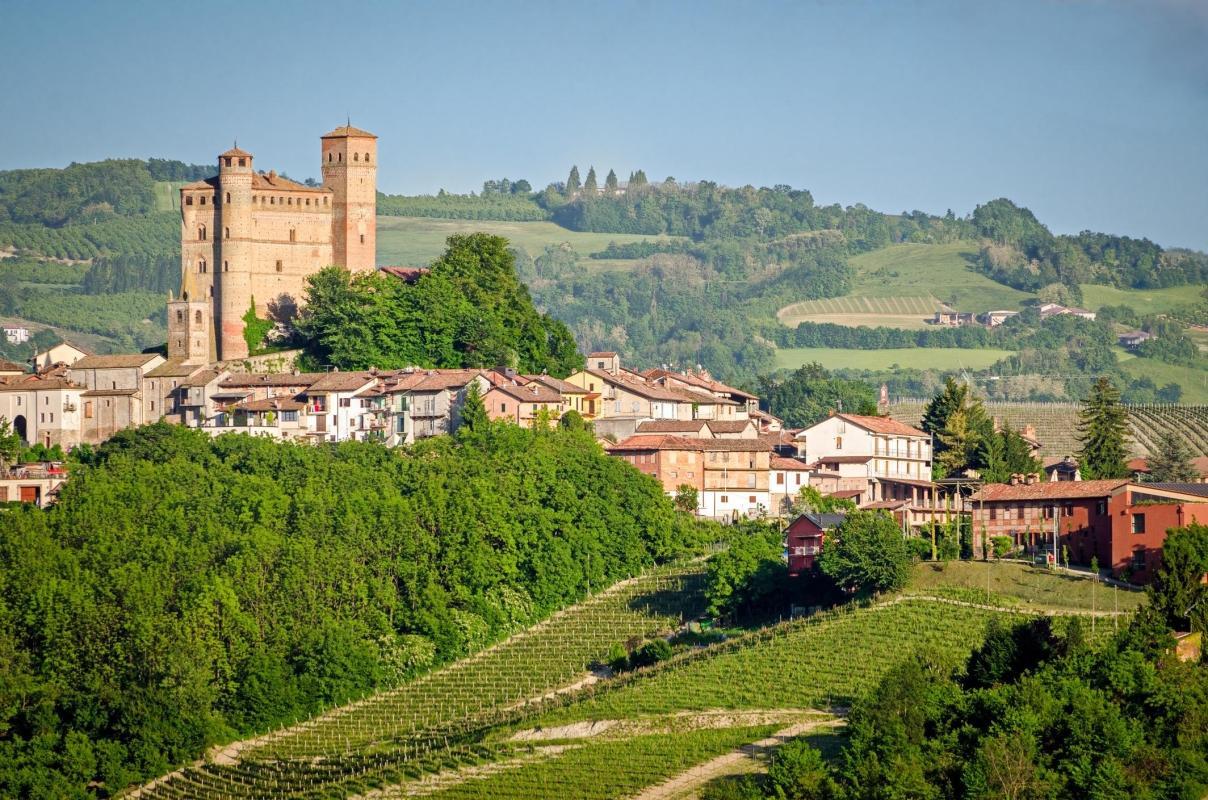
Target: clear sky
(1094,113)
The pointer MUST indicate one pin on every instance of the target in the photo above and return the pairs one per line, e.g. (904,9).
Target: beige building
(251,237)
(115,393)
(42,410)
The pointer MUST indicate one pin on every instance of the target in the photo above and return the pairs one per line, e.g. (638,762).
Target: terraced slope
(1057,423)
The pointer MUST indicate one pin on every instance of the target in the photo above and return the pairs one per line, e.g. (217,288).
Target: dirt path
(1054,612)
(687,783)
(431,784)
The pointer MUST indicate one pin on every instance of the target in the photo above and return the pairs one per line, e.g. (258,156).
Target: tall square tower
(350,171)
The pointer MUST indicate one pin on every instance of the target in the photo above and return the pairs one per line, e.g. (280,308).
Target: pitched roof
(827,520)
(882,425)
(272,404)
(1187,488)
(271,180)
(205,183)
(35,383)
(1048,490)
(532,393)
(174,368)
(240,380)
(780,462)
(109,392)
(345,131)
(341,382)
(565,387)
(736,445)
(440,380)
(728,426)
(115,362)
(235,151)
(648,390)
(200,378)
(1199,464)
(602,354)
(672,426)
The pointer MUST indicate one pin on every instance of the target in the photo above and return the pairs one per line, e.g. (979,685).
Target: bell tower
(350,170)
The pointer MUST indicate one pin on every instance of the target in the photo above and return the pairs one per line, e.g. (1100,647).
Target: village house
(1120,523)
(334,408)
(1132,339)
(62,353)
(1139,467)
(10,370)
(992,319)
(673,461)
(788,477)
(437,399)
(523,405)
(1055,309)
(36,484)
(115,396)
(805,536)
(954,319)
(42,409)
(736,479)
(16,334)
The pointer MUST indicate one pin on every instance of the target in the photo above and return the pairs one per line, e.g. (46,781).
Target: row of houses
(992,319)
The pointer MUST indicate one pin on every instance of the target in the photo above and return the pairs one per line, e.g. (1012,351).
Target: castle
(249,237)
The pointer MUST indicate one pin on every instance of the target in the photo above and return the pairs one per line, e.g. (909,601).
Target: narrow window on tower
(329,158)
(197,317)
(228,161)
(226,266)
(366,158)
(340,157)
(243,162)
(228,197)
(293,235)
(226,233)
(201,233)
(362,238)
(180,315)
(279,266)
(356,156)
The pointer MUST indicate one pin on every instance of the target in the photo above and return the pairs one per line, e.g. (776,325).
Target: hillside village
(708,444)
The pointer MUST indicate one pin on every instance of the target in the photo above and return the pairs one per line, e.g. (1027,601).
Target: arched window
(226,266)
(293,235)
(201,233)
(228,197)
(201,265)
(197,317)
(329,158)
(226,233)
(290,201)
(272,201)
(366,158)
(356,156)
(308,201)
(210,292)
(180,315)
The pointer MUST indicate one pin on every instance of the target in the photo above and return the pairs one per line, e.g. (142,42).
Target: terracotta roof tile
(779,462)
(341,382)
(1048,490)
(174,368)
(345,131)
(242,380)
(672,426)
(115,362)
(728,426)
(533,393)
(882,425)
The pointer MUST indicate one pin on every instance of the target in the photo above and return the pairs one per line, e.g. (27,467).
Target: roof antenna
(349,120)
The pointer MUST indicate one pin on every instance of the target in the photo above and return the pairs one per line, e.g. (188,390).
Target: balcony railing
(807,550)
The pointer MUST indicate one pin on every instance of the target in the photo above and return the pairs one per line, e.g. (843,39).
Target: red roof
(406,274)
(779,462)
(1049,490)
(882,425)
(672,426)
(728,426)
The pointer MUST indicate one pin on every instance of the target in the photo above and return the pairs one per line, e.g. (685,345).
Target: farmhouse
(1120,523)
(805,536)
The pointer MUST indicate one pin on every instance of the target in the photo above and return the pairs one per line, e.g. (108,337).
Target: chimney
(1015,479)
(1032,478)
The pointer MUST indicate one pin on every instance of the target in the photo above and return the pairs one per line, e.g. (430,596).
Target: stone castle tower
(252,238)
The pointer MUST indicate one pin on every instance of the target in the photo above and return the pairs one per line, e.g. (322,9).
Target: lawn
(1019,585)
(908,357)
(415,241)
(1193,380)
(1144,301)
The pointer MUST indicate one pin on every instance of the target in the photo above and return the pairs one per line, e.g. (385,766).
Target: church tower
(233,251)
(350,171)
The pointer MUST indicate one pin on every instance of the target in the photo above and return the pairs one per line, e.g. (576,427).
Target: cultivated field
(1193,380)
(1016,585)
(854,311)
(907,357)
(416,241)
(1057,423)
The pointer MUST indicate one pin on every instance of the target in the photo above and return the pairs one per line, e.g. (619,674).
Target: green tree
(1171,460)
(590,187)
(1177,590)
(473,412)
(610,181)
(811,393)
(687,498)
(10,445)
(572,181)
(810,499)
(866,553)
(1102,429)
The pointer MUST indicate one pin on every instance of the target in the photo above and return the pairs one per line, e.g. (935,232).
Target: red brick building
(1121,523)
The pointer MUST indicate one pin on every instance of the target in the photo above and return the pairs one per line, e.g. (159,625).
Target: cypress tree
(473,411)
(1102,429)
(610,182)
(572,180)
(590,186)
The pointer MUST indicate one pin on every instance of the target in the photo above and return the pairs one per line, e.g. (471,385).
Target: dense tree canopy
(185,590)
(810,394)
(470,310)
(867,552)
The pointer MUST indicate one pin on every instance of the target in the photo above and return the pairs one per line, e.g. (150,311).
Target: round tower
(350,170)
(233,240)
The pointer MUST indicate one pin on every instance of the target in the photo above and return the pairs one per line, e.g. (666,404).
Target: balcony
(807,550)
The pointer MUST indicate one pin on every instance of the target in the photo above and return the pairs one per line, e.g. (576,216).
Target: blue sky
(1094,113)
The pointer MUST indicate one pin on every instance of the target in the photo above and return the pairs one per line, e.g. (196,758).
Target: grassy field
(909,357)
(415,241)
(1194,381)
(1019,585)
(1144,301)
(941,270)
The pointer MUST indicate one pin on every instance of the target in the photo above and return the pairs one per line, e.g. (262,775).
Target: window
(779,478)
(180,315)
(308,201)
(152,408)
(838,442)
(993,512)
(329,158)
(272,201)
(88,410)
(340,157)
(289,201)
(289,416)
(751,500)
(503,408)
(1069,510)
(356,156)
(243,162)
(226,233)
(203,200)
(197,317)
(189,200)
(228,197)
(280,267)
(725,499)
(366,158)
(362,238)
(345,402)
(1101,507)
(227,160)
(1138,523)
(201,233)
(201,265)
(1138,559)
(226,266)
